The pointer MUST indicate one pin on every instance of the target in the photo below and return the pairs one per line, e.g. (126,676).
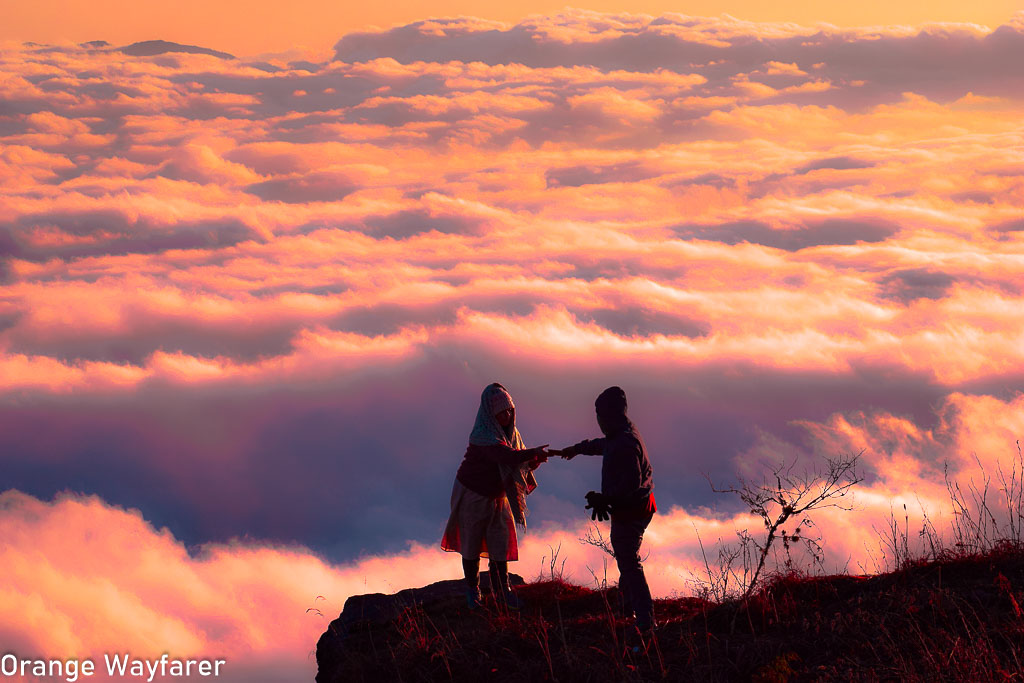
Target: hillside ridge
(954,619)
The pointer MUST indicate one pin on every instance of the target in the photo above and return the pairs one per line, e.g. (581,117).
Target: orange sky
(253,26)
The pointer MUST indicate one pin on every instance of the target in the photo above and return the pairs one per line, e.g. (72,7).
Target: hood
(611,411)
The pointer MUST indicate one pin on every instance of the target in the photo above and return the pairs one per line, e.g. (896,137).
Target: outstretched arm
(504,455)
(585,447)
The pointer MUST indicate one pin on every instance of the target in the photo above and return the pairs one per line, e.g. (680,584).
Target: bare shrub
(976,527)
(782,498)
(987,514)
(894,540)
(595,538)
(555,569)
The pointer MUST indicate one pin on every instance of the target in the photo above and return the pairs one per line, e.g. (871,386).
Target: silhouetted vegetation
(954,619)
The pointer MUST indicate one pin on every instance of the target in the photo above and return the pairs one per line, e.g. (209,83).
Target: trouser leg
(498,571)
(626,538)
(471,568)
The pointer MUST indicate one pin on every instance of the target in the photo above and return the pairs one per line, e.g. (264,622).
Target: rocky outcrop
(375,609)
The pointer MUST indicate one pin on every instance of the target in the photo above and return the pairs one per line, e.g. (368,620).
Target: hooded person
(489,496)
(627,496)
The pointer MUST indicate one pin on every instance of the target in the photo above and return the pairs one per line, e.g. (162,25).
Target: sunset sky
(250,27)
(248,305)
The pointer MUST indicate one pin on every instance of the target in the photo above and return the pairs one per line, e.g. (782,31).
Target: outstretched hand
(539,455)
(564,453)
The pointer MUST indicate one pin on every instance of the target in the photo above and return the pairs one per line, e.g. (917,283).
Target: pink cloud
(200,163)
(83,579)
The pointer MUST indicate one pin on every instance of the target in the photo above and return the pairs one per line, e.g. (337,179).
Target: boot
(500,588)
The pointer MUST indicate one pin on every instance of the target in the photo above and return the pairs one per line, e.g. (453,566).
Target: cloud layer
(83,578)
(259,300)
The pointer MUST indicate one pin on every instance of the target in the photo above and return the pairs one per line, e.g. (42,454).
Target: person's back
(627,478)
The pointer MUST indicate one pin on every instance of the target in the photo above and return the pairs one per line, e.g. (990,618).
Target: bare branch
(595,538)
(784,496)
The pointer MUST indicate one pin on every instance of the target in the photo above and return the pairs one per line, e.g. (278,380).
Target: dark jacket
(627,478)
(479,471)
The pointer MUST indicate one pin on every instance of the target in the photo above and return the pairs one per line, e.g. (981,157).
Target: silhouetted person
(489,496)
(627,495)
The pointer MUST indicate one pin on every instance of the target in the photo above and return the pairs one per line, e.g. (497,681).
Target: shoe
(473,598)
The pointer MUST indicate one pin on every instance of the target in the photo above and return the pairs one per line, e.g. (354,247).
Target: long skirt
(479,526)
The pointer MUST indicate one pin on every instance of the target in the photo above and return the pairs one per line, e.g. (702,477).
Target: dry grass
(953,620)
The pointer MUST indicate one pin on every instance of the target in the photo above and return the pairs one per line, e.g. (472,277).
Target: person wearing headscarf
(489,496)
(627,496)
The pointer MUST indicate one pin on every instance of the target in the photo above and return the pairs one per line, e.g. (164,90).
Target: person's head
(611,411)
(500,405)
(495,421)
(506,417)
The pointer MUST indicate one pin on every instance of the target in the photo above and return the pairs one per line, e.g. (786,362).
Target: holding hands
(566,453)
(538,455)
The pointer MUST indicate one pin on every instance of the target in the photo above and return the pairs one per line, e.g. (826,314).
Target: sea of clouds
(247,306)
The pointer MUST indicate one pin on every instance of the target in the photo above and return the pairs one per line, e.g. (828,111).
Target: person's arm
(585,447)
(504,455)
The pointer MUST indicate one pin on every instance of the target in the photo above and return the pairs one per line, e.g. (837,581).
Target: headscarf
(518,479)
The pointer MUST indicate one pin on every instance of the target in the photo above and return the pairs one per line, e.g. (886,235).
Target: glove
(598,502)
